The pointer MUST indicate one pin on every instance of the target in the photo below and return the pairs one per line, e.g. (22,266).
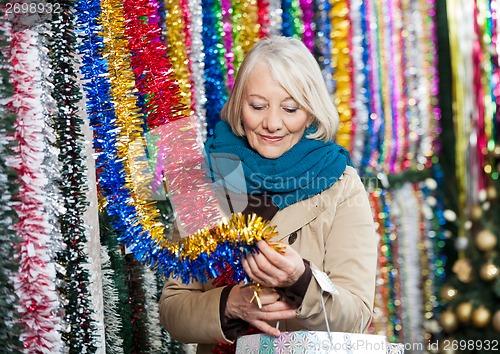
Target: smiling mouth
(271,139)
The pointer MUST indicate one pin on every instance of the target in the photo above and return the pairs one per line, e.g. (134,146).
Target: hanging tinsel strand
(35,281)
(215,63)
(9,327)
(112,320)
(72,183)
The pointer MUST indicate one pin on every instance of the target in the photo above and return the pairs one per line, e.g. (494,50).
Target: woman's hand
(273,309)
(274,269)
(271,269)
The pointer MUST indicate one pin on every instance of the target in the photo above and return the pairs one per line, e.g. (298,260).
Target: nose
(272,121)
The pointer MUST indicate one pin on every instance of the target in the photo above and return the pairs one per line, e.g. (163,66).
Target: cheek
(248,130)
(298,125)
(250,121)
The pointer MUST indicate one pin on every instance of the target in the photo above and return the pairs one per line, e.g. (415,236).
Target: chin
(270,154)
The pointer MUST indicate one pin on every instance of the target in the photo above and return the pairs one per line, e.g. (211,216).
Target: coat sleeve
(190,313)
(350,262)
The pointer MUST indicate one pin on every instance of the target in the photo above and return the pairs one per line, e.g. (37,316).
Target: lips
(271,139)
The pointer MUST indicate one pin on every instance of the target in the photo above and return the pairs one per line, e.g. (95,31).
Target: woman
(279,122)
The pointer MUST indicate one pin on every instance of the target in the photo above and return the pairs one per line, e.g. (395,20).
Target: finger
(276,315)
(283,268)
(263,271)
(272,316)
(246,267)
(274,257)
(277,306)
(268,296)
(286,258)
(252,268)
(274,264)
(266,328)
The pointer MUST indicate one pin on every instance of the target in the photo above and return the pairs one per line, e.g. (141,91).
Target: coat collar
(295,216)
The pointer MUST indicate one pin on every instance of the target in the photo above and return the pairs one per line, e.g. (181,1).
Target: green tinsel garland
(135,271)
(117,261)
(81,336)
(112,319)
(9,326)
(127,278)
(447,158)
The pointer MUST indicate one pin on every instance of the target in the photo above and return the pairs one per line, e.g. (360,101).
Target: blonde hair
(297,71)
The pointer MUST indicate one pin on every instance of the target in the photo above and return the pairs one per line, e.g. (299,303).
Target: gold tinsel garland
(341,62)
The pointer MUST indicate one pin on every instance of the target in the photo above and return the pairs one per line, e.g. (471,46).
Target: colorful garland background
(147,64)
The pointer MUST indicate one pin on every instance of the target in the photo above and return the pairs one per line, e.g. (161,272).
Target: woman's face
(273,121)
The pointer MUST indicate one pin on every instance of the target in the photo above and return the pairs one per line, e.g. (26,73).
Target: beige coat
(336,233)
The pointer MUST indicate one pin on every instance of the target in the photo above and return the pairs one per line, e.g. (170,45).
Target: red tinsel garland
(35,281)
(150,63)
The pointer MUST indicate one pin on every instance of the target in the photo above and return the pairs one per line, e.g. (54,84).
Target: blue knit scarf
(308,168)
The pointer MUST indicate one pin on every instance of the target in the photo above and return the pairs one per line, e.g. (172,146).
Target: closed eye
(258,107)
(290,110)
